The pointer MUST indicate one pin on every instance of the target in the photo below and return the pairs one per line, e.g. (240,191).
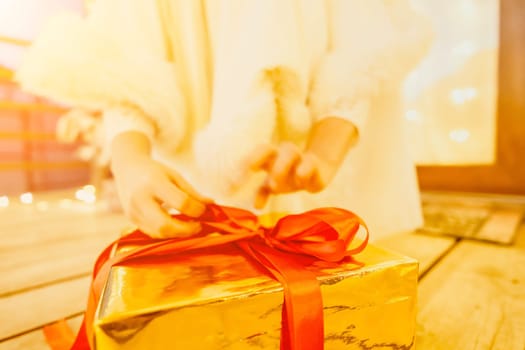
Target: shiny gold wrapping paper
(221,301)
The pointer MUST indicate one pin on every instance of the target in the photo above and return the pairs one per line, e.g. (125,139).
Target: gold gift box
(218,300)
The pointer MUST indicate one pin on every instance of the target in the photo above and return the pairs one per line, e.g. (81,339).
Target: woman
(292,102)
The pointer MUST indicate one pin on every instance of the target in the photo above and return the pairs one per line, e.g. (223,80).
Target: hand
(289,170)
(145,186)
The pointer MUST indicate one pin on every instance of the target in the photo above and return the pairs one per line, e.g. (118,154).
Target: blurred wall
(31,159)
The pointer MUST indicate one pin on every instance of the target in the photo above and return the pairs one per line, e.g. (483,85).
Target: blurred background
(451,99)
(451,96)
(32,158)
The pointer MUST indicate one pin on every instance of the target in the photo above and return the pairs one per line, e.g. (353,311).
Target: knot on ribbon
(322,233)
(325,233)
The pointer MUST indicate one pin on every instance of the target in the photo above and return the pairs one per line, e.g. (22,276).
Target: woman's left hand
(289,169)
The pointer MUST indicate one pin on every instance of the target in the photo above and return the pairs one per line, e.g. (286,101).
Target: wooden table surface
(471,293)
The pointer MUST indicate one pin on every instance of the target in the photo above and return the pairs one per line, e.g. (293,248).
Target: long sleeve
(372,44)
(115,60)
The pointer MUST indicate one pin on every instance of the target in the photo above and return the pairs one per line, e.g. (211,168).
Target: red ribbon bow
(284,251)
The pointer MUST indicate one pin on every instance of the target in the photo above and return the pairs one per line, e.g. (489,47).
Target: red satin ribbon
(285,252)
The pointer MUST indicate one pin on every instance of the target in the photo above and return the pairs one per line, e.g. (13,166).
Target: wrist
(128,148)
(331,139)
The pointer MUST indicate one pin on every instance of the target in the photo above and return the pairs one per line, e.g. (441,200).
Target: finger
(315,183)
(305,172)
(179,228)
(155,222)
(262,157)
(186,187)
(281,173)
(175,198)
(149,218)
(262,196)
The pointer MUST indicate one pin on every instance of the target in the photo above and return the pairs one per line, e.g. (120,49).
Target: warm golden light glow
(4,201)
(459,135)
(26,198)
(90,188)
(86,194)
(461,96)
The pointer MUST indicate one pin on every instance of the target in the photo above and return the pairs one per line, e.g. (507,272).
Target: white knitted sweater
(210,80)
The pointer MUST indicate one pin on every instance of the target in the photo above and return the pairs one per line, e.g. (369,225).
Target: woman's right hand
(145,187)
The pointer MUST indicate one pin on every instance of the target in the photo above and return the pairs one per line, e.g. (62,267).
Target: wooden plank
(474,299)
(474,199)
(35,340)
(40,248)
(520,237)
(426,249)
(501,226)
(29,227)
(42,264)
(22,312)
(492,218)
